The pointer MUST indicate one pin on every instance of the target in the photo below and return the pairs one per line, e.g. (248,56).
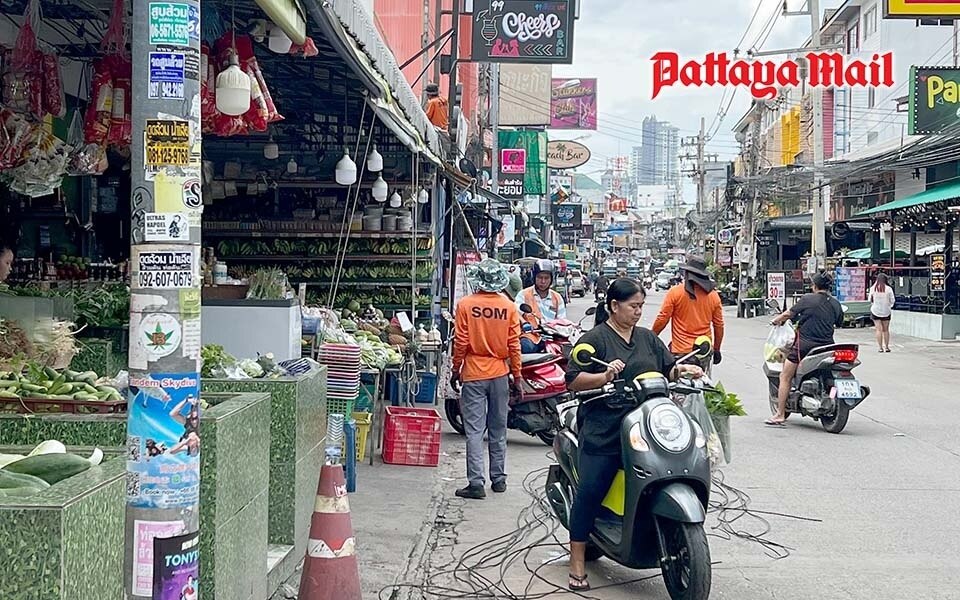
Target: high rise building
(658,162)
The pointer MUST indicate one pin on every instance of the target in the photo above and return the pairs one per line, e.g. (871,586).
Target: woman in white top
(882,300)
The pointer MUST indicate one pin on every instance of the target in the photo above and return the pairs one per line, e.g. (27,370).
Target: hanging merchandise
(85,159)
(23,82)
(54,100)
(108,118)
(262,109)
(44,166)
(14,136)
(96,123)
(308,49)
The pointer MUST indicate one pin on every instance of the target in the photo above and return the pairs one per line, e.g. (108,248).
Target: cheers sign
(523,31)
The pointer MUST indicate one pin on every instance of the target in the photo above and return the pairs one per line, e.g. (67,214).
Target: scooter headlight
(670,427)
(636,439)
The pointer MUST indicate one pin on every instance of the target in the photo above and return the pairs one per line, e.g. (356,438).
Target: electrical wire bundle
(483,570)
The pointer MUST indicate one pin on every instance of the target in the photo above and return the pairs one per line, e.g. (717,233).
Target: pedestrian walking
(486,352)
(882,300)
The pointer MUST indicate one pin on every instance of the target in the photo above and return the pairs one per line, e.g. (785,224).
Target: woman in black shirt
(630,351)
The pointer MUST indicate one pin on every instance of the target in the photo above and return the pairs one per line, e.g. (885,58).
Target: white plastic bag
(780,339)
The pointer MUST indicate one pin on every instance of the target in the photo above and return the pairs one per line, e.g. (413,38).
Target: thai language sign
(573,104)
(523,31)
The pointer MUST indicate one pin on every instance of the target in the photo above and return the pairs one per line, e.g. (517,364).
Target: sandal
(772,423)
(581,585)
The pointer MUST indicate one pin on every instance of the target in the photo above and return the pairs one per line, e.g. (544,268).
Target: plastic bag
(23,83)
(695,406)
(780,339)
(121,121)
(86,159)
(54,100)
(96,123)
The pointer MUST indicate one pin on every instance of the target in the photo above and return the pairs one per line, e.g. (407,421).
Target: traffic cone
(330,570)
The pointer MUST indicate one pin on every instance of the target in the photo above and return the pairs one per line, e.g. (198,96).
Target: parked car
(578,284)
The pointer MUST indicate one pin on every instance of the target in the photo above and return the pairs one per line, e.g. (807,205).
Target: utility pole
(437,24)
(163,491)
(819,219)
(454,57)
(495,127)
(699,171)
(747,230)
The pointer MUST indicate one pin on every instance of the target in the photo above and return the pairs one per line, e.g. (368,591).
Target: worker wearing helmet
(545,303)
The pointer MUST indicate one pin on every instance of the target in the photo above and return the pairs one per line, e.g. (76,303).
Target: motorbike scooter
(824,387)
(654,512)
(544,382)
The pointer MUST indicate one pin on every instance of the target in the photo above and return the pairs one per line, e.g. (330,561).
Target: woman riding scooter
(630,351)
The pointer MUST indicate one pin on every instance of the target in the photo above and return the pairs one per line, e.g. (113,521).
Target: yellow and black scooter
(653,515)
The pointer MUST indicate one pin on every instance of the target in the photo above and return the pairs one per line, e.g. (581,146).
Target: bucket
(404,224)
(356,224)
(389,222)
(372,223)
(373,211)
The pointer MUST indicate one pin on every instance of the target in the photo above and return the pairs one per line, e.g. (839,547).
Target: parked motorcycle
(729,294)
(648,282)
(654,512)
(824,387)
(543,379)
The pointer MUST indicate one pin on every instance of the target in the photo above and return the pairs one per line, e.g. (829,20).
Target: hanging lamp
(271,151)
(233,85)
(374,161)
(423,197)
(346,172)
(395,200)
(292,166)
(379,190)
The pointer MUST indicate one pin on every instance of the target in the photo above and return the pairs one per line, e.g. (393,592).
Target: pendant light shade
(347,171)
(379,189)
(279,42)
(292,166)
(374,161)
(233,89)
(395,200)
(271,151)
(423,197)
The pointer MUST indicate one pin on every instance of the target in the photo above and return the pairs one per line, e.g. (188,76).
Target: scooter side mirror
(583,354)
(703,346)
(526,308)
(591,311)
(773,304)
(447,316)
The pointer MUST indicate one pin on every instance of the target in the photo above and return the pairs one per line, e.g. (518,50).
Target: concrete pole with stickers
(163,426)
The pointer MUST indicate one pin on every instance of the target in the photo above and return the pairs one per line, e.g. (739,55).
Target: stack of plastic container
(343,376)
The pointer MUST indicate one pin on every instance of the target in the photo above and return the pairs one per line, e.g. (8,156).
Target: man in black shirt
(817,315)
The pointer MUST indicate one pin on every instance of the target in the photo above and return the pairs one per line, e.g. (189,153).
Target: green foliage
(724,403)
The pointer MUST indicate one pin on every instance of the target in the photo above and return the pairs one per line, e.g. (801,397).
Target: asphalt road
(872,512)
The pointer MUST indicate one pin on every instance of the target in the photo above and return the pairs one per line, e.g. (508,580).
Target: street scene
(526,299)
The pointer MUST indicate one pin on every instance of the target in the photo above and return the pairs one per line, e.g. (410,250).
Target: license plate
(847,388)
(566,405)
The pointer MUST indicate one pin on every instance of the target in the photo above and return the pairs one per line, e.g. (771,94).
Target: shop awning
(867,253)
(347,25)
(940,193)
(804,221)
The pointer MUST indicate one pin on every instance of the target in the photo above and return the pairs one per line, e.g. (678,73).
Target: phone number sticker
(167,269)
(166,143)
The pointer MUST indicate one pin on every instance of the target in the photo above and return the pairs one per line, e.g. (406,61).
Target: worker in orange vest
(546,304)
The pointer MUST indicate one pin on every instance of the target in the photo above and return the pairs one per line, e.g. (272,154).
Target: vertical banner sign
(533,178)
(573,104)
(938,272)
(523,31)
(163,445)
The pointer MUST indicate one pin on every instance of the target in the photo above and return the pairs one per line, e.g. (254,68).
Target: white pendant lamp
(233,89)
(423,197)
(379,189)
(271,151)
(395,200)
(292,166)
(346,172)
(374,161)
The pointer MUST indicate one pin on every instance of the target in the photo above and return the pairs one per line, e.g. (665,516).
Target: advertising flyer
(163,443)
(176,567)
(144,533)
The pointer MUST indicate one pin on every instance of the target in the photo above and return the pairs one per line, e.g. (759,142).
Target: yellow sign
(177,194)
(921,9)
(166,143)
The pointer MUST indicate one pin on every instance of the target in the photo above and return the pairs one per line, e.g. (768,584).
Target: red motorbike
(544,385)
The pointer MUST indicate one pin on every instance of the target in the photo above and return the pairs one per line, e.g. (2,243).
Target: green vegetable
(10,479)
(723,403)
(51,468)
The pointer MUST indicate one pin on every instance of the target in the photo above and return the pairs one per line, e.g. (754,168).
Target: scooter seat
(530,360)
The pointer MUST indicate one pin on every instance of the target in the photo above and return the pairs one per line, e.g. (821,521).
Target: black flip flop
(772,423)
(582,584)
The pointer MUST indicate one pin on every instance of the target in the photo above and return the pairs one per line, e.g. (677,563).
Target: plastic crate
(362,421)
(337,406)
(428,388)
(411,436)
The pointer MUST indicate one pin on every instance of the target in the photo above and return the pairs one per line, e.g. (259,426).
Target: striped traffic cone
(330,570)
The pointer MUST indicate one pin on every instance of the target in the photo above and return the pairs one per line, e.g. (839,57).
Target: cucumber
(50,467)
(89,389)
(7,394)
(51,373)
(30,387)
(8,384)
(71,375)
(9,479)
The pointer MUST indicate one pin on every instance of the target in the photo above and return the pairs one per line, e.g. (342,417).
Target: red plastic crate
(411,436)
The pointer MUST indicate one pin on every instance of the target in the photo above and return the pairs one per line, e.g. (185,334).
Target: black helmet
(543,266)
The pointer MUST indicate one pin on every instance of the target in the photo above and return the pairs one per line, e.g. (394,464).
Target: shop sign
(163,440)
(938,272)
(934,99)
(174,23)
(776,286)
(166,227)
(513,161)
(510,188)
(525,99)
(851,284)
(573,104)
(176,567)
(167,143)
(523,31)
(166,75)
(166,269)
(921,9)
(532,146)
(564,154)
(567,217)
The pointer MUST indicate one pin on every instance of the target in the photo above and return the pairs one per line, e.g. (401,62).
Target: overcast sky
(614,41)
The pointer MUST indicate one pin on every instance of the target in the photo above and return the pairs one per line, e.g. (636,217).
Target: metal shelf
(369,235)
(349,257)
(381,283)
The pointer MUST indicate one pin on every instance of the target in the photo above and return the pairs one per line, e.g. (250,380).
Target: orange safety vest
(536,317)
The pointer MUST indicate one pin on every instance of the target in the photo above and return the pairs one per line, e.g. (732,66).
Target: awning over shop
(940,193)
(867,253)
(803,221)
(346,24)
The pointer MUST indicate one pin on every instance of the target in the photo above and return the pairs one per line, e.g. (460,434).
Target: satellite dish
(466,165)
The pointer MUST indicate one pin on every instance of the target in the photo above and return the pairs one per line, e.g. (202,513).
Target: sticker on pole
(166,269)
(144,533)
(163,440)
(176,567)
(174,23)
(166,227)
(160,334)
(166,143)
(166,75)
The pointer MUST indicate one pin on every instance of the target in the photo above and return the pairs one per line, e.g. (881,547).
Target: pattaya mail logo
(766,77)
